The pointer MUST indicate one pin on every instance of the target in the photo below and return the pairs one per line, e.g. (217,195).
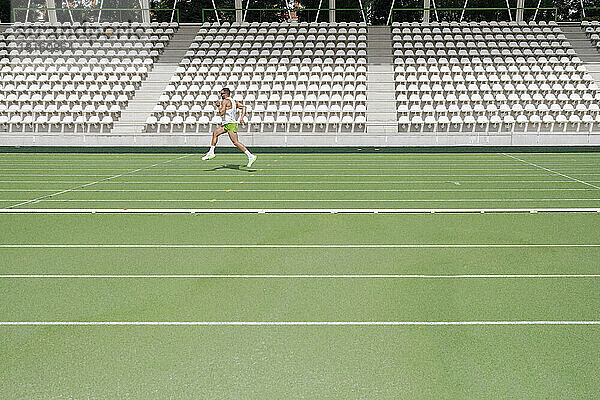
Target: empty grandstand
(306,83)
(417,216)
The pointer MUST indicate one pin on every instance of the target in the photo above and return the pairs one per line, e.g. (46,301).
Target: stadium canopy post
(363,11)
(537,9)
(332,11)
(172,12)
(426,6)
(238,11)
(145,6)
(319,10)
(246,11)
(70,13)
(51,7)
(582,10)
(520,6)
(437,17)
(463,10)
(391,11)
(26,14)
(100,11)
(216,13)
(508,8)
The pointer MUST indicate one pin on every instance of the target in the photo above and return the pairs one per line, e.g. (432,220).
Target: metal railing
(287,11)
(588,17)
(463,10)
(68,11)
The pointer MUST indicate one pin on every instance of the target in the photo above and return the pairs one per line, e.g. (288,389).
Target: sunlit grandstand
(290,199)
(139,76)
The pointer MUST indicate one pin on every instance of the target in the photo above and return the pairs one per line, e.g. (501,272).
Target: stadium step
(381,101)
(133,118)
(584,48)
(379,45)
(581,43)
(179,45)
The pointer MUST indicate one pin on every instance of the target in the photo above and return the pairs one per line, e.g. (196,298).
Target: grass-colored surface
(304,362)
(500,361)
(301,181)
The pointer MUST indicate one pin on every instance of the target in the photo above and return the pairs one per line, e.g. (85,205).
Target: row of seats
(495,123)
(477,37)
(458,69)
(485,61)
(348,56)
(268,124)
(70,96)
(503,79)
(60,61)
(479,45)
(93,32)
(506,52)
(499,98)
(491,109)
(176,96)
(478,31)
(56,124)
(592,30)
(86,109)
(11,57)
(474,24)
(268,108)
(274,69)
(258,62)
(75,25)
(289,37)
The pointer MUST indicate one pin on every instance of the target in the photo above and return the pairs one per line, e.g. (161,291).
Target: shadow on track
(236,167)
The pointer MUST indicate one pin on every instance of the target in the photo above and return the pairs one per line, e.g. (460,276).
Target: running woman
(228,109)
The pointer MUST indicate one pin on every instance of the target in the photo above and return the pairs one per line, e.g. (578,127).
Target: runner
(228,109)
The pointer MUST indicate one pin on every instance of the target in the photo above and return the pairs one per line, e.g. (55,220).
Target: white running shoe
(208,156)
(251,160)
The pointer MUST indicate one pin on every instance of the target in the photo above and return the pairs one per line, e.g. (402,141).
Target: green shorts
(232,127)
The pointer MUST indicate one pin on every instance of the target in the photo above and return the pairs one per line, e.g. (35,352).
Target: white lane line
(291,200)
(309,190)
(449,169)
(224,182)
(296,276)
(299,246)
(292,210)
(93,183)
(255,174)
(550,170)
(289,323)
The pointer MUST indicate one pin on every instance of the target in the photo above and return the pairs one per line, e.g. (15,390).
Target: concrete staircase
(381,101)
(584,48)
(139,108)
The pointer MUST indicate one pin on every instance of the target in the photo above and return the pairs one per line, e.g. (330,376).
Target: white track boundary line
(289,323)
(549,170)
(298,276)
(310,190)
(256,175)
(270,168)
(224,182)
(296,246)
(93,183)
(303,200)
(293,210)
